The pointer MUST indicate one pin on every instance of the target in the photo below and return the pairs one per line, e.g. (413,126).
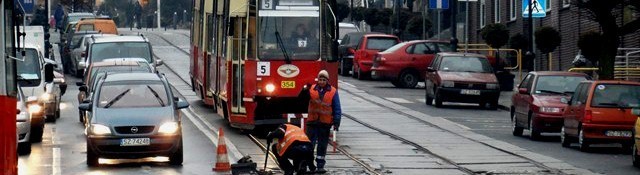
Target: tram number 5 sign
(267,4)
(264,69)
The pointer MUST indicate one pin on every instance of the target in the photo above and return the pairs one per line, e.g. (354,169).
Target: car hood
(32,91)
(550,100)
(133,116)
(471,77)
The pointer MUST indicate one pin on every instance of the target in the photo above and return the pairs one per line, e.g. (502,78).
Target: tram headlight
(270,87)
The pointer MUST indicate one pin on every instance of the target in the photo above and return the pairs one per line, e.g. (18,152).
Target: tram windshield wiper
(287,59)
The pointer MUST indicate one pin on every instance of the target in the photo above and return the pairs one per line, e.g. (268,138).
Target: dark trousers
(300,153)
(319,134)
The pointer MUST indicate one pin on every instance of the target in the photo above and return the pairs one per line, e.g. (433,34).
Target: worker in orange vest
(323,113)
(293,144)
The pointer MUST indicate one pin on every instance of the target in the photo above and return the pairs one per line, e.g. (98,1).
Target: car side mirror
(430,69)
(158,62)
(182,104)
(83,88)
(48,73)
(635,111)
(85,107)
(18,111)
(523,91)
(564,100)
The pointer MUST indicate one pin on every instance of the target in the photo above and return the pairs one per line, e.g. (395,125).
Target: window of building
(513,10)
(547,6)
(566,3)
(496,11)
(482,13)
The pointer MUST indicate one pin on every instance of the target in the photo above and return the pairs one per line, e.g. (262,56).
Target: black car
(134,115)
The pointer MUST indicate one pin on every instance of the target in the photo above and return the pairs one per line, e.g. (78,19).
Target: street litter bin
(506,80)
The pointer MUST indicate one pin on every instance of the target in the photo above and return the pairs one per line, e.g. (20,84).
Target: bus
(12,15)
(250,59)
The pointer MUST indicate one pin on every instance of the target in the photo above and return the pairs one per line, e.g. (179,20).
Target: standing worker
(324,112)
(292,144)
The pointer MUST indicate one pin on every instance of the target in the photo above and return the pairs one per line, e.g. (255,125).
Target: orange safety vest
(292,134)
(320,109)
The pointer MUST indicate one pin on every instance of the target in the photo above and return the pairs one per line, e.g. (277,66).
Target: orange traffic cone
(222,160)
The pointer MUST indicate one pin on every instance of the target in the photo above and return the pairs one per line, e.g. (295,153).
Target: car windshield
(557,84)
(102,51)
(465,64)
(294,31)
(29,69)
(133,95)
(380,43)
(395,47)
(616,95)
(344,30)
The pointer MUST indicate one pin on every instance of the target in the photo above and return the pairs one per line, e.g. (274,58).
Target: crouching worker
(292,144)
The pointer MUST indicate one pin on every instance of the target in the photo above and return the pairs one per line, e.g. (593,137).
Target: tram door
(237,48)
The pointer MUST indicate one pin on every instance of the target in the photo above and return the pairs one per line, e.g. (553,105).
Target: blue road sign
(438,4)
(539,8)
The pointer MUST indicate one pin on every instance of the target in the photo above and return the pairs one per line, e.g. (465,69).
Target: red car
(369,46)
(404,64)
(538,106)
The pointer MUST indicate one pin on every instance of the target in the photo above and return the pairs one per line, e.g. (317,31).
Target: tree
(385,16)
(371,17)
(518,41)
(590,44)
(415,25)
(495,35)
(404,15)
(547,39)
(358,14)
(607,14)
(342,10)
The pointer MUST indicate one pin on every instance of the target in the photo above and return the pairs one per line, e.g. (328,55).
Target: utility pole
(351,12)
(454,24)
(530,54)
(159,15)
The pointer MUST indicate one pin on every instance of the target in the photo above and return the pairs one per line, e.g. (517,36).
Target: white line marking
(398,100)
(212,135)
(421,100)
(55,170)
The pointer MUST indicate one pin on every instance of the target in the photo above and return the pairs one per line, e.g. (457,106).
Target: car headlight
(169,128)
(448,84)
(98,129)
(492,86)
(35,108)
(46,97)
(270,87)
(550,109)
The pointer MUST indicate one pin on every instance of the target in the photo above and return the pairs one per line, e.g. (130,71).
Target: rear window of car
(86,27)
(133,95)
(616,96)
(380,43)
(557,84)
(102,51)
(465,64)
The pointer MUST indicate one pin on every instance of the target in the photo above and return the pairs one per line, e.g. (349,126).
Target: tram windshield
(291,27)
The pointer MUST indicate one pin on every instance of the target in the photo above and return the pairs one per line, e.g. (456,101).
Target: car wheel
(24,148)
(353,71)
(564,138)
(92,158)
(583,142)
(58,113)
(177,157)
(515,129)
(535,134)
(359,76)
(428,99)
(438,98)
(493,105)
(408,79)
(396,83)
(50,118)
(36,134)
(343,68)
(635,157)
(78,73)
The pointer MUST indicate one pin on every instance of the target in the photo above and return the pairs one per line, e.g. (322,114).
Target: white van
(34,35)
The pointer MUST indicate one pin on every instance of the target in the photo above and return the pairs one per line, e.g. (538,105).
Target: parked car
(135,116)
(369,46)
(23,124)
(102,25)
(404,64)
(346,50)
(461,77)
(344,28)
(600,112)
(120,47)
(73,18)
(79,50)
(109,66)
(537,105)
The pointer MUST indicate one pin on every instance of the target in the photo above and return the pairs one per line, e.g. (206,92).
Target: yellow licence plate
(288,84)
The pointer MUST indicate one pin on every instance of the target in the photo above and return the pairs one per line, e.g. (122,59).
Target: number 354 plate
(288,84)
(135,142)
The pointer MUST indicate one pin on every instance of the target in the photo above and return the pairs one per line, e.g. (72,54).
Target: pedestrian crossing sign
(538,8)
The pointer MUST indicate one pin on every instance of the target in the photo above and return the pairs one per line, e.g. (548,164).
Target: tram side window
(210,28)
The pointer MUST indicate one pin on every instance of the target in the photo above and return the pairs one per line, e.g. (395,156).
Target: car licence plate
(135,142)
(288,84)
(618,133)
(469,92)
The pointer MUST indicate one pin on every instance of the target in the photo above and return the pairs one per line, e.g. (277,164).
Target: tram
(250,59)
(11,17)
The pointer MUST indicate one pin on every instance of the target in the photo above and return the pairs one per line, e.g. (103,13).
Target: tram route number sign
(264,68)
(267,4)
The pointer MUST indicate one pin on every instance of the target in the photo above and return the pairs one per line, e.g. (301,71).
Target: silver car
(23,125)
(79,50)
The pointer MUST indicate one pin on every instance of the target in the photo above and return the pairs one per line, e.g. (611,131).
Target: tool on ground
(333,135)
(266,156)
(222,159)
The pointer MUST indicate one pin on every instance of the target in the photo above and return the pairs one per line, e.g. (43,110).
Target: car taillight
(588,115)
